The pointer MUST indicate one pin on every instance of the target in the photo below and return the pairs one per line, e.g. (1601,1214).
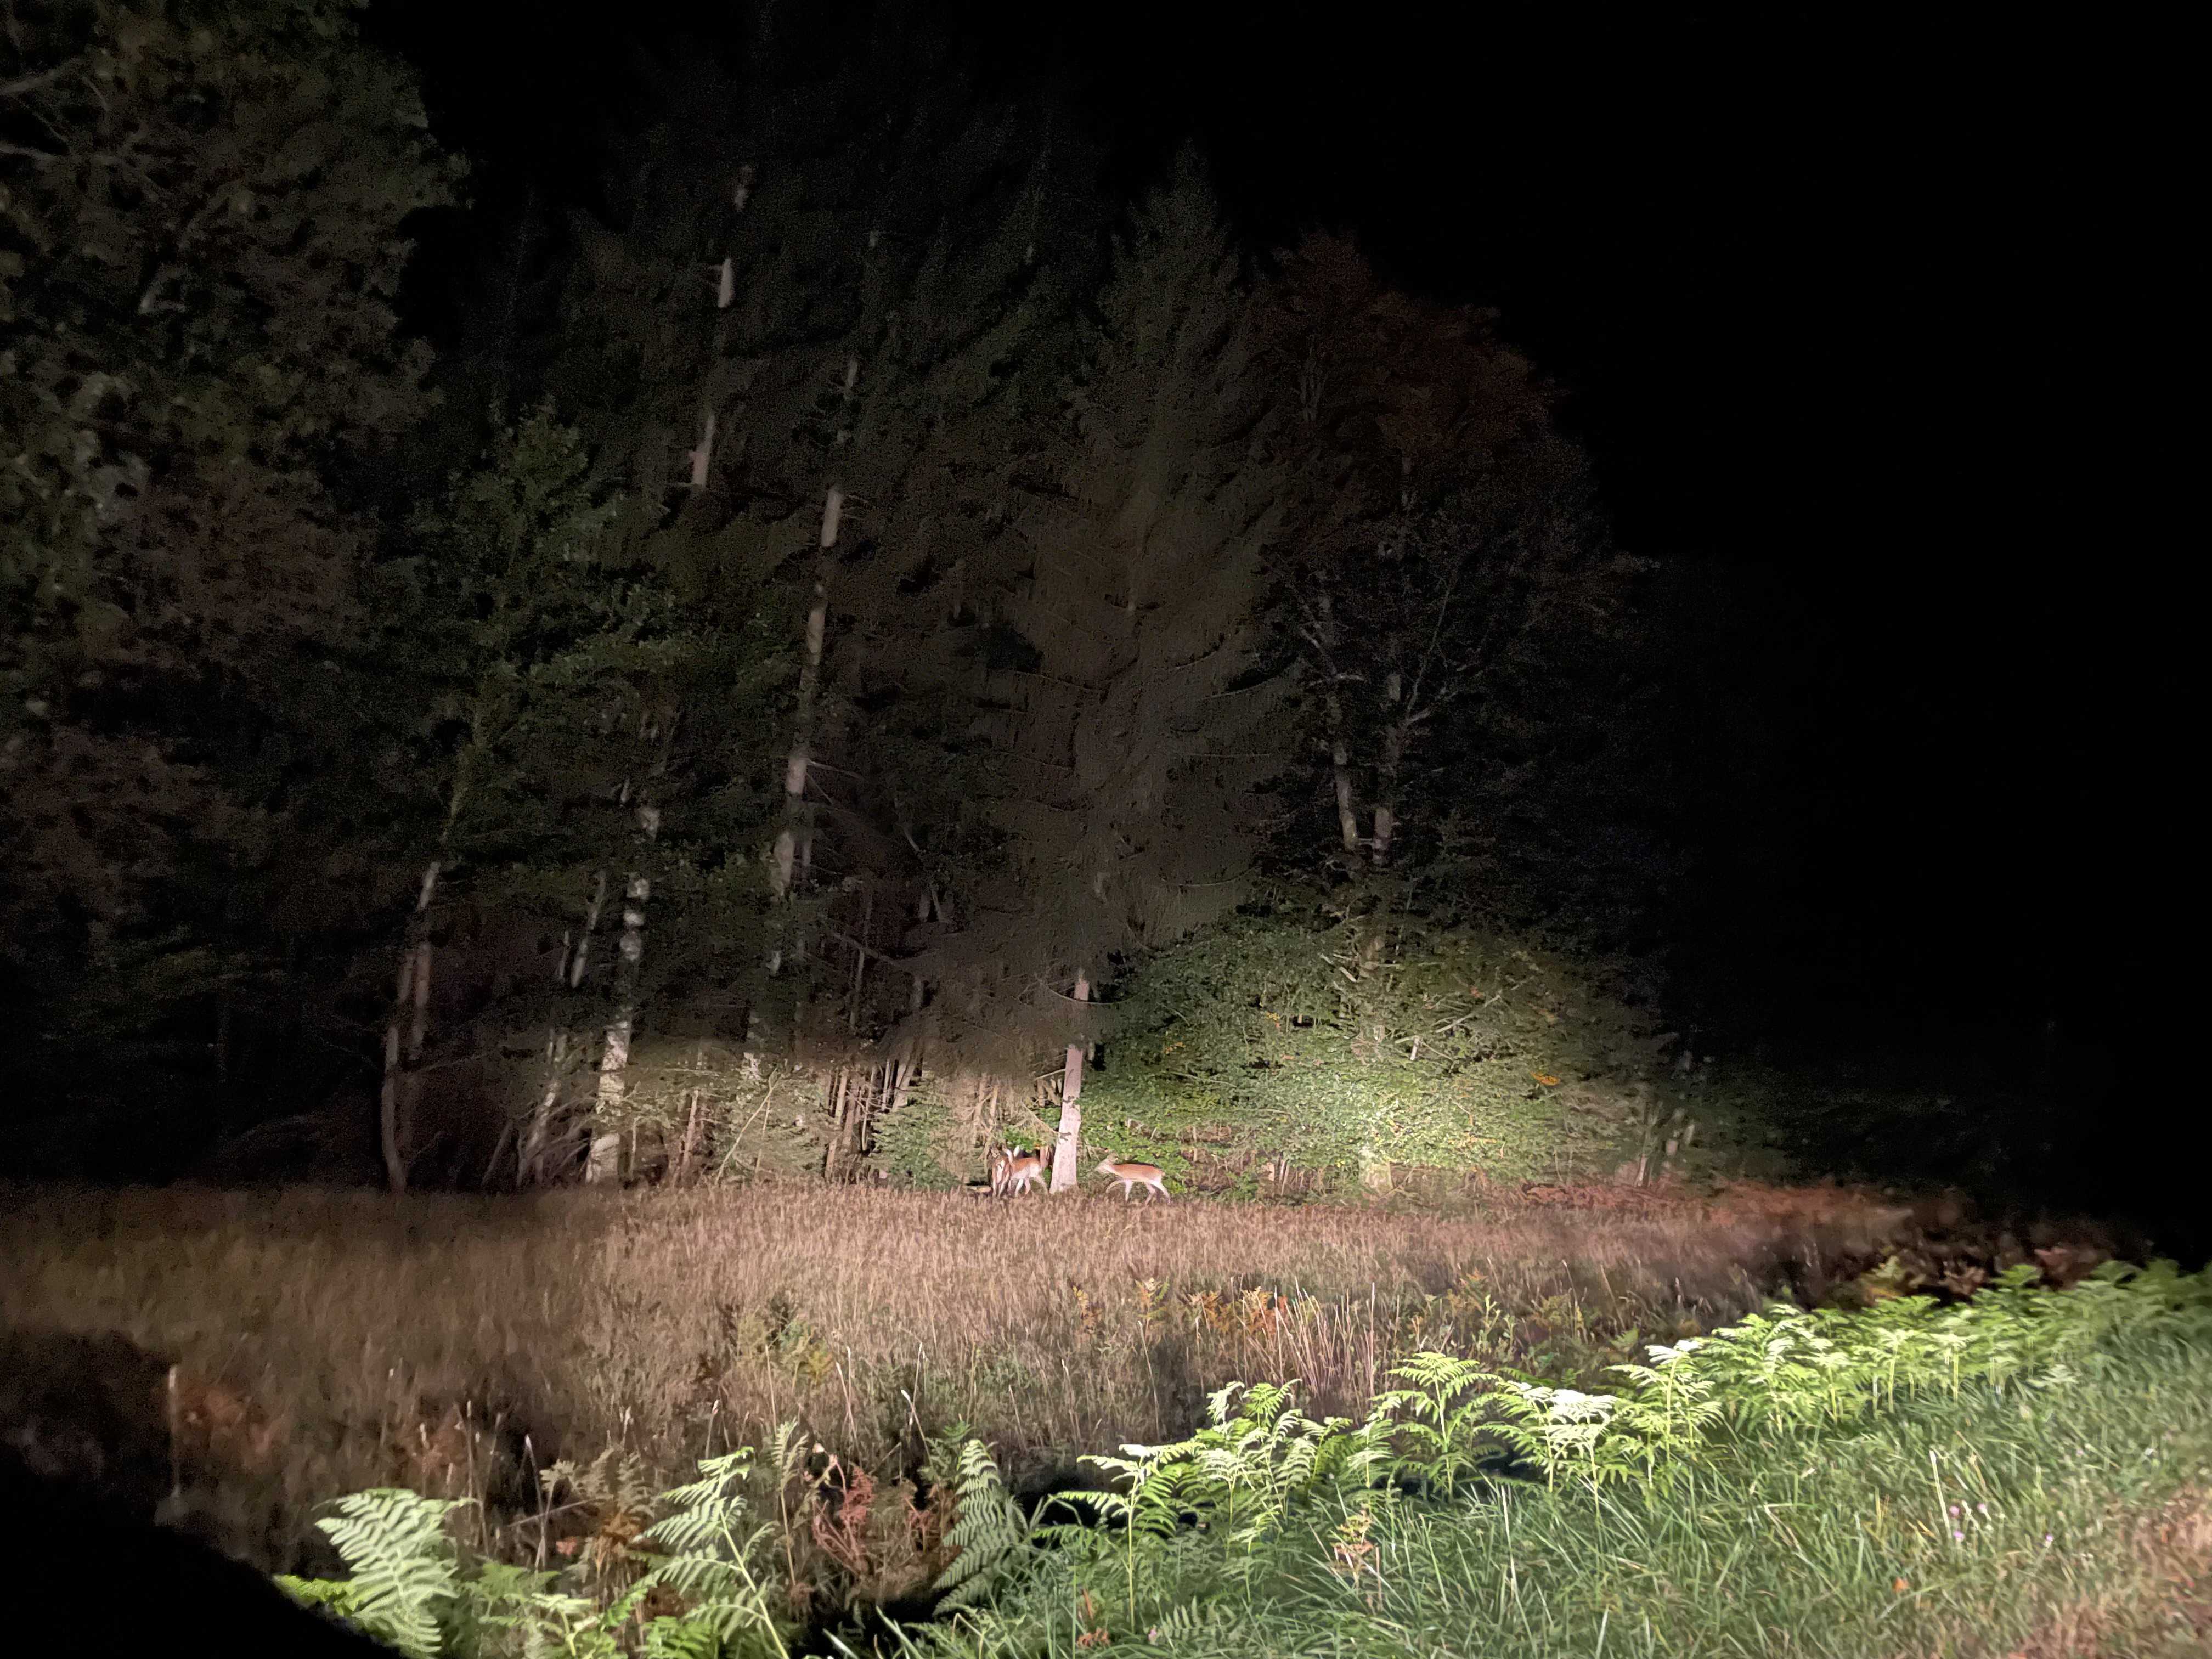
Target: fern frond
(403,1570)
(989,1529)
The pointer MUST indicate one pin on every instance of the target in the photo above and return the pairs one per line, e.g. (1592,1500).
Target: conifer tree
(868,315)
(544,648)
(1129,718)
(201,206)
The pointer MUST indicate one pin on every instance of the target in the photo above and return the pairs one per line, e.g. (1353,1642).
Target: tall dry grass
(326,1342)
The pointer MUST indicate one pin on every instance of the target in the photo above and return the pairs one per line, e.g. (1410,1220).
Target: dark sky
(1880,319)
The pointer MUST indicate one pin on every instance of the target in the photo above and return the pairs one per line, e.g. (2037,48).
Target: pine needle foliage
(1128,715)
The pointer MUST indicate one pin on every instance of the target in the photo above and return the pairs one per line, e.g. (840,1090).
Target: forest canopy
(857,593)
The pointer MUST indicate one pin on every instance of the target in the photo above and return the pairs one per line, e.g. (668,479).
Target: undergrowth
(1915,1478)
(328,1341)
(1260,1057)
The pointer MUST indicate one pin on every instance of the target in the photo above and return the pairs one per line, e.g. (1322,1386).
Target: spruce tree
(823,342)
(201,206)
(1128,722)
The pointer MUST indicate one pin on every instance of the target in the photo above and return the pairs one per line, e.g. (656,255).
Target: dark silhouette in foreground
(96,1576)
(95,1585)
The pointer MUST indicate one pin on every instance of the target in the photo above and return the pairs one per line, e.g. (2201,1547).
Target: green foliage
(989,1527)
(404,1580)
(1939,1525)
(1259,1483)
(411,1585)
(202,205)
(1127,715)
(1281,1037)
(710,1548)
(919,1142)
(200,248)
(572,713)
(1469,650)
(530,637)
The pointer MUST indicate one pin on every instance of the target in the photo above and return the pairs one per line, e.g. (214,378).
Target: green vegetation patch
(1268,1054)
(1915,1479)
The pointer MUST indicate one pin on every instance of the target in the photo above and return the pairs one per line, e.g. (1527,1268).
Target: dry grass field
(326,1342)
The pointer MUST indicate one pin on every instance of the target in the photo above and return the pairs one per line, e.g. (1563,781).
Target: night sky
(1874,322)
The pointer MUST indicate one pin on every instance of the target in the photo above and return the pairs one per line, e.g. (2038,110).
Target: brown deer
(1134,1175)
(1012,1170)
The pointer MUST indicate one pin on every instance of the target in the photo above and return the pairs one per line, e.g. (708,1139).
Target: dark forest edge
(856,616)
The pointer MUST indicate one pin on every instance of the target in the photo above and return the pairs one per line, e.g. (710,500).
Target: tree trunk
(802,729)
(726,294)
(833,1120)
(681,1175)
(405,1033)
(604,1163)
(1340,751)
(1339,759)
(1396,738)
(903,1080)
(569,974)
(1071,1100)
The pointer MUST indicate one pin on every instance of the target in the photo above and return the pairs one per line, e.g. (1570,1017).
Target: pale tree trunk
(1340,751)
(1388,768)
(681,1175)
(604,1162)
(1071,1100)
(798,811)
(538,1134)
(783,868)
(569,974)
(1339,760)
(833,1117)
(725,294)
(404,1034)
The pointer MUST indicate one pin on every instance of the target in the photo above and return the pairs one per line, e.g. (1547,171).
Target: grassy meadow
(326,1342)
(2017,1498)
(2004,1468)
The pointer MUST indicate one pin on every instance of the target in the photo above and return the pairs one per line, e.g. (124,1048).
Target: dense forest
(888,618)
(893,588)
(1439,676)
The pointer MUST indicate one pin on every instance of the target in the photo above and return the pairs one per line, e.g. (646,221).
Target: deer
(1012,1170)
(1134,1175)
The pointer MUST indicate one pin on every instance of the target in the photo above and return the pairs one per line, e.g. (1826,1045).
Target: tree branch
(24,85)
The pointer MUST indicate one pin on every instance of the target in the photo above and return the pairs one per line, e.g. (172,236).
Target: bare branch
(22,86)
